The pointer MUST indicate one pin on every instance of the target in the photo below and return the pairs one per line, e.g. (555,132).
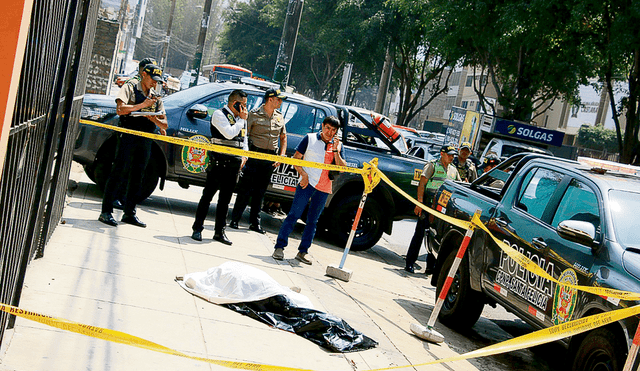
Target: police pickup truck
(576,222)
(189,113)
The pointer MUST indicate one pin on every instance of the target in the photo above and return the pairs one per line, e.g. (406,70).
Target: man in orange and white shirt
(314,186)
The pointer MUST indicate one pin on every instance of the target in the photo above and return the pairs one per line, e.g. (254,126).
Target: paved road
(495,325)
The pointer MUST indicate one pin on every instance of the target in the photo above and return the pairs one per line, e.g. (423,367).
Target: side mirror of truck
(198,111)
(577,231)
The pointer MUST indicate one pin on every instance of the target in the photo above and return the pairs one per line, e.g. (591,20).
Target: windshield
(624,205)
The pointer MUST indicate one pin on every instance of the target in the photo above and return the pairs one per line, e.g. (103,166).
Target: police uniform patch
(564,298)
(195,160)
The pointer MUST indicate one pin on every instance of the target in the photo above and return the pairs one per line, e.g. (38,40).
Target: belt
(262,150)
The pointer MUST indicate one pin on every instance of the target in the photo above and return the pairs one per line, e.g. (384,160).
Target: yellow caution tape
(371,175)
(225,149)
(518,257)
(526,341)
(539,337)
(535,268)
(457,222)
(124,338)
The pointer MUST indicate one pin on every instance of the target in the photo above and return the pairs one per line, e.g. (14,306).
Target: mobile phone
(236,105)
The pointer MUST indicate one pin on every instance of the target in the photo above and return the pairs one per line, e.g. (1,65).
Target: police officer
(228,129)
(466,167)
(133,152)
(134,80)
(433,175)
(265,127)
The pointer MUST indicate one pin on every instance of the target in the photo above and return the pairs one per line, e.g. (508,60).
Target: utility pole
(288,42)
(344,84)
(165,47)
(385,79)
(204,25)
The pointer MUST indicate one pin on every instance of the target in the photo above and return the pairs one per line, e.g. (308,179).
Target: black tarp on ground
(326,330)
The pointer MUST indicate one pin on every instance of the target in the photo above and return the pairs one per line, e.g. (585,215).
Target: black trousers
(253,184)
(132,156)
(416,243)
(223,176)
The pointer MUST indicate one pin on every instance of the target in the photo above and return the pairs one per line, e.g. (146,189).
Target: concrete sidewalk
(123,279)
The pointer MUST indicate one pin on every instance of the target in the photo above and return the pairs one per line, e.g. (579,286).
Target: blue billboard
(528,132)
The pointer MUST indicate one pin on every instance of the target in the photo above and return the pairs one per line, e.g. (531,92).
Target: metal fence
(42,135)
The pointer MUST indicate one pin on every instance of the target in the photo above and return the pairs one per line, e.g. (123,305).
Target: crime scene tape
(538,337)
(225,149)
(518,257)
(124,338)
(525,341)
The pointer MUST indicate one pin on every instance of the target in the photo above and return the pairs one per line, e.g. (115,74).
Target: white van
(504,148)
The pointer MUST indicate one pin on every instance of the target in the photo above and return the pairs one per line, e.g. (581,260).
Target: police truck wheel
(369,228)
(462,306)
(149,181)
(600,350)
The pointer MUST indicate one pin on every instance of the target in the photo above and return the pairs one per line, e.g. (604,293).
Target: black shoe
(429,271)
(257,228)
(133,220)
(222,237)
(233,225)
(409,269)
(196,236)
(117,204)
(107,218)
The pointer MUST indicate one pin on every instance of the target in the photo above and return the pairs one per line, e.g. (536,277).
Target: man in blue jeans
(314,186)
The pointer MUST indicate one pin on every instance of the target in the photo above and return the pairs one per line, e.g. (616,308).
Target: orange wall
(14,29)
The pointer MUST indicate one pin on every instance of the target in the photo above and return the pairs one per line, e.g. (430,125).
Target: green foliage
(530,49)
(598,138)
(184,31)
(330,35)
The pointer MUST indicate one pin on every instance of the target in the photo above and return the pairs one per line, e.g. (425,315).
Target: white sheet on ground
(234,282)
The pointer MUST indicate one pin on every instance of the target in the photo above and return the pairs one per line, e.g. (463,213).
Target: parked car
(95,149)
(123,77)
(576,222)
(410,134)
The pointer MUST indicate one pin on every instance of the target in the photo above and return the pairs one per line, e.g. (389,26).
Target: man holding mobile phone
(314,186)
(267,134)
(133,152)
(228,129)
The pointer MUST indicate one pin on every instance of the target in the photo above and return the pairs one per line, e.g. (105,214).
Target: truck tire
(102,169)
(600,350)
(462,306)
(369,229)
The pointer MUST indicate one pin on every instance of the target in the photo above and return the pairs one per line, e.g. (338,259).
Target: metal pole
(354,226)
(288,42)
(204,26)
(429,333)
(165,47)
(633,351)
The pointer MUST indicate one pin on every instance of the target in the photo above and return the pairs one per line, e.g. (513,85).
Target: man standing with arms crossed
(433,175)
(133,152)
(227,129)
(265,127)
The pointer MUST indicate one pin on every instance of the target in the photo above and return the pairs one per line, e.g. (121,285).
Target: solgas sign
(528,132)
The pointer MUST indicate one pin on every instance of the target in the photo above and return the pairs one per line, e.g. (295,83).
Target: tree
(531,51)
(422,62)
(330,35)
(598,137)
(611,29)
(184,31)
